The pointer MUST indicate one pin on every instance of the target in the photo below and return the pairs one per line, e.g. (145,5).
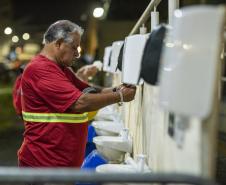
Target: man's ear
(58,42)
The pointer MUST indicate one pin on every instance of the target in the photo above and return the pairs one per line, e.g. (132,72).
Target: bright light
(8,31)
(178,13)
(187,46)
(15,38)
(26,36)
(167,69)
(79,49)
(98,12)
(169,44)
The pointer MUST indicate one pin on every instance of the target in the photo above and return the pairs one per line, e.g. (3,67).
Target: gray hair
(61,30)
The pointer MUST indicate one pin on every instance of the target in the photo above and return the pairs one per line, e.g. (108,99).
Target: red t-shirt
(48,88)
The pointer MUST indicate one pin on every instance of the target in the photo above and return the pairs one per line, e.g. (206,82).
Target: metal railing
(13,175)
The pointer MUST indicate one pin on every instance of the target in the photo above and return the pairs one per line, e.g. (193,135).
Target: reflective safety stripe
(55,117)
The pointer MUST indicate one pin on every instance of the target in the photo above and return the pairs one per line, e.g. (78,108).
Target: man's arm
(112,89)
(92,102)
(104,90)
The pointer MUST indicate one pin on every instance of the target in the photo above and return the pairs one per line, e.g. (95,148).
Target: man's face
(68,52)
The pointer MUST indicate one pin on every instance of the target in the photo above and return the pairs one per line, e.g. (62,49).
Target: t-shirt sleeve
(57,90)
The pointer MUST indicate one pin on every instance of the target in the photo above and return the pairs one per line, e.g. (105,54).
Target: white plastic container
(189,61)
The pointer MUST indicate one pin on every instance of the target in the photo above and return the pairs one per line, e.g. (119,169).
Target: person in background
(55,103)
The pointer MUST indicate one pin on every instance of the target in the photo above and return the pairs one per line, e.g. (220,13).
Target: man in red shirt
(54,108)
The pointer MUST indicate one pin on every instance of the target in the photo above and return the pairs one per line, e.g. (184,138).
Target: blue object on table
(91,133)
(90,146)
(93,160)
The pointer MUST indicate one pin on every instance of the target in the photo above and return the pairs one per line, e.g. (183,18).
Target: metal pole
(144,16)
(172,6)
(15,175)
(154,19)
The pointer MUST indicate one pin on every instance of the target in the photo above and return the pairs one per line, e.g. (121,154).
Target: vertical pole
(154,19)
(172,5)
(144,16)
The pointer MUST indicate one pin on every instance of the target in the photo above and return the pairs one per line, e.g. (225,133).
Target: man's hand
(87,71)
(128,92)
(90,70)
(124,85)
